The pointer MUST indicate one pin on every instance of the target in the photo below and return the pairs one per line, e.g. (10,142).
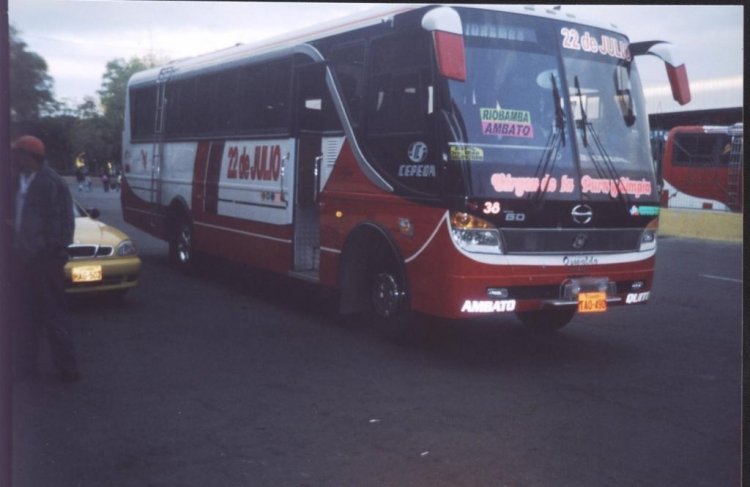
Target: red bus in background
(702,167)
(454,161)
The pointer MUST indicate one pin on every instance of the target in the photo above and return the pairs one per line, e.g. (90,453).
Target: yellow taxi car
(102,258)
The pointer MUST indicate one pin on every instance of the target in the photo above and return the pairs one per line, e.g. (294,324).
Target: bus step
(309,276)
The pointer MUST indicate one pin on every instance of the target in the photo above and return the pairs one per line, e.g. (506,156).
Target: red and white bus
(702,167)
(454,161)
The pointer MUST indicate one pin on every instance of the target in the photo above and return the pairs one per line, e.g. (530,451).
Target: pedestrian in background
(44,226)
(80,178)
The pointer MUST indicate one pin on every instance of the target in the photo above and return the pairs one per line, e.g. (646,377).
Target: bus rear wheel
(181,251)
(547,320)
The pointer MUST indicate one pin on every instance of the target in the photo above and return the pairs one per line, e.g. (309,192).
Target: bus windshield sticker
(507,183)
(466,153)
(623,185)
(506,122)
(606,46)
(644,210)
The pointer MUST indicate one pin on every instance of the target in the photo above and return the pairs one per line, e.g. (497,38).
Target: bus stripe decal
(213,176)
(434,232)
(241,232)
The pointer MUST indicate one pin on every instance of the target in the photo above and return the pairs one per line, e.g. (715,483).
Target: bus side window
(264,91)
(399,103)
(142,109)
(723,149)
(276,106)
(400,125)
(181,109)
(205,103)
(398,84)
(349,65)
(317,111)
(225,111)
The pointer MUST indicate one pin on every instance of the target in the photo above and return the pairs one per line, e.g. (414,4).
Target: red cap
(30,144)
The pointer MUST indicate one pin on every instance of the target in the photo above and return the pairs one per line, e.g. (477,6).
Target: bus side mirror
(676,70)
(445,25)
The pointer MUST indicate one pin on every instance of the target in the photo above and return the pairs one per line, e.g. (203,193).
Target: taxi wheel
(547,321)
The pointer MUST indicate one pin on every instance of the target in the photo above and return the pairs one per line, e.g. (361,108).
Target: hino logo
(580,241)
(582,214)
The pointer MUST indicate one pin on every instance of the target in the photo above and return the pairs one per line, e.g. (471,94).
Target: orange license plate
(88,273)
(592,302)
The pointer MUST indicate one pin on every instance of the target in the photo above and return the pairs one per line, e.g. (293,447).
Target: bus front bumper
(461,296)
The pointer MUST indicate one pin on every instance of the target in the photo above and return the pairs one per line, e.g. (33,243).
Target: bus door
(318,125)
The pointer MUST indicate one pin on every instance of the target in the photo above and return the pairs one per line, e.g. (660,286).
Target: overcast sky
(78,37)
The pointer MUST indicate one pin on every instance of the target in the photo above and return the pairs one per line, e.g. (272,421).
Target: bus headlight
(474,234)
(648,237)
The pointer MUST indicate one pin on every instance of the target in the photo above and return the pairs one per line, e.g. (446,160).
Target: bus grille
(570,240)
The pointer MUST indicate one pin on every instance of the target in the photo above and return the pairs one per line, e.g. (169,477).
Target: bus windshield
(607,105)
(521,121)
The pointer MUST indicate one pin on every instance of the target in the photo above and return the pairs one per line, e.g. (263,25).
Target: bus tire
(389,309)
(386,294)
(547,320)
(181,250)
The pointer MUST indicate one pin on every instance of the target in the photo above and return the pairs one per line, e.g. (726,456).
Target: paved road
(242,379)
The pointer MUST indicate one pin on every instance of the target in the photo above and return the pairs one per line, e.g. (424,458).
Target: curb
(702,224)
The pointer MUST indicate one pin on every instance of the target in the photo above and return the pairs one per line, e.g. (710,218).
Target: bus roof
(359,20)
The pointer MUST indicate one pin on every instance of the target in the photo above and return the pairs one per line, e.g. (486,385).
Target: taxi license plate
(88,273)
(592,302)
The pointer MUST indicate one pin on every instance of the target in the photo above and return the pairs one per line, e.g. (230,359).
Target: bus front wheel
(548,320)
(389,310)
(387,294)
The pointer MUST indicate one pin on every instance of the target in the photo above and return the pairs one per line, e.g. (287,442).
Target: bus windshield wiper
(559,115)
(555,140)
(584,118)
(609,171)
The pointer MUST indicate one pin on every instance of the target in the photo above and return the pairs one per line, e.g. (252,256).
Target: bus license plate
(88,273)
(592,302)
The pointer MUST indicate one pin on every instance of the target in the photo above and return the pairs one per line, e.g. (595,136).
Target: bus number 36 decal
(266,165)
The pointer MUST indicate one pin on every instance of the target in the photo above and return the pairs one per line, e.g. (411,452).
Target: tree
(93,137)
(31,87)
(87,109)
(112,94)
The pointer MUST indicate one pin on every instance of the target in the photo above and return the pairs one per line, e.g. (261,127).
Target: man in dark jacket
(44,225)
